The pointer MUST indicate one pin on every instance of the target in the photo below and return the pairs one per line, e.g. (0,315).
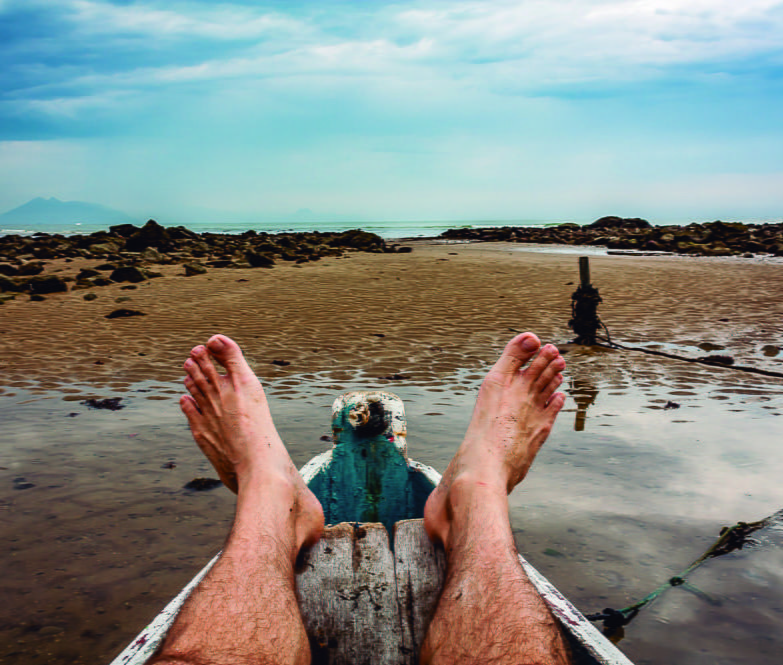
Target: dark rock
(102,281)
(281,363)
(106,266)
(21,483)
(129,287)
(128,274)
(151,234)
(46,284)
(120,299)
(404,250)
(9,285)
(717,360)
(194,269)
(259,260)
(37,298)
(152,255)
(770,350)
(203,484)
(90,296)
(124,230)
(124,313)
(612,222)
(31,268)
(108,403)
(8,270)
(671,405)
(394,377)
(168,465)
(86,273)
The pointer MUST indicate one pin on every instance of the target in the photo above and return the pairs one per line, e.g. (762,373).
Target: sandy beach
(614,506)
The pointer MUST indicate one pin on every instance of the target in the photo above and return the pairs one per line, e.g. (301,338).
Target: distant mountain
(52,211)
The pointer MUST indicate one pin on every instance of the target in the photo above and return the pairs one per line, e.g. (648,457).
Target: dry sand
(423,315)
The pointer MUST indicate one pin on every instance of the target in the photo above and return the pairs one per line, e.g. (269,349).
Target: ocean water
(385,229)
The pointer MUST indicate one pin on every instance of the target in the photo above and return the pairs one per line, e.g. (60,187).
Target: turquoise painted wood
(368,477)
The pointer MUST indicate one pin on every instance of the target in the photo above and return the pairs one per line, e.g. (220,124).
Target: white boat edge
(147,641)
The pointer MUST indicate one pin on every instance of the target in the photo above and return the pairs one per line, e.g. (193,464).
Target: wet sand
(107,535)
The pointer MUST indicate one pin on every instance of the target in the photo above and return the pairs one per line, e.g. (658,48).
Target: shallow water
(100,532)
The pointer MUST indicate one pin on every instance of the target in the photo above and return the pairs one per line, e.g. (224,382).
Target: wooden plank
(347,593)
(420,570)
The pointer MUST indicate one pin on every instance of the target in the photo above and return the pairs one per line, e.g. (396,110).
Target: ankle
(463,505)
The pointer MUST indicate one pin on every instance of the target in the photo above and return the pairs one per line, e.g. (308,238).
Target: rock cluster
(128,251)
(711,239)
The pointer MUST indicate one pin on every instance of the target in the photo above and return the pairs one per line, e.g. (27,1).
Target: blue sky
(547,109)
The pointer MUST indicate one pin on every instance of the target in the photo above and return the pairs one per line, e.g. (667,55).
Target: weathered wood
(420,570)
(347,593)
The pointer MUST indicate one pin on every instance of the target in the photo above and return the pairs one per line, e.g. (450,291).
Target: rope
(730,539)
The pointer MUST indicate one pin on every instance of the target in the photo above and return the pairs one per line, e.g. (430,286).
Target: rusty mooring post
(584,307)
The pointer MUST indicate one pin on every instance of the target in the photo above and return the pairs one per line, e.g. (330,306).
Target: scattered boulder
(108,403)
(128,274)
(192,269)
(90,296)
(258,259)
(30,268)
(46,284)
(202,484)
(123,313)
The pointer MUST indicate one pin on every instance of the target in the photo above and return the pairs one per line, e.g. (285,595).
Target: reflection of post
(584,394)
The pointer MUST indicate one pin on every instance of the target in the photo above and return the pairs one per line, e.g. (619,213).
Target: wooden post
(584,270)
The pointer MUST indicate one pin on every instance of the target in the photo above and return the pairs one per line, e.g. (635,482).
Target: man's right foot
(231,423)
(514,413)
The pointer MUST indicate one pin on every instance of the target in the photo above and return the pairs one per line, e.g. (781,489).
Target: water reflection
(584,393)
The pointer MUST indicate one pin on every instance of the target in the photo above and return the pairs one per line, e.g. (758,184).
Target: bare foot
(231,423)
(514,413)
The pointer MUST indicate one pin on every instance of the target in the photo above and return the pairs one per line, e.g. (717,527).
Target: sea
(385,229)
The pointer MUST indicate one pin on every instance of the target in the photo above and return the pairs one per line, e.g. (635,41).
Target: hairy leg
(245,610)
(489,611)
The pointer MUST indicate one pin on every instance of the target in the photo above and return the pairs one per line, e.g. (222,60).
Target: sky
(183,110)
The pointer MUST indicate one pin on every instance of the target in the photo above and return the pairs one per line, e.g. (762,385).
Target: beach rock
(612,222)
(8,270)
(46,284)
(124,230)
(194,269)
(202,484)
(4,298)
(103,248)
(152,255)
(86,273)
(128,274)
(9,285)
(105,267)
(107,403)
(30,268)
(34,297)
(102,281)
(258,259)
(151,234)
(124,313)
(90,296)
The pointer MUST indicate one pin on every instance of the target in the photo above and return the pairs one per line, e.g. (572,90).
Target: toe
(553,385)
(190,409)
(194,372)
(517,352)
(207,367)
(555,404)
(547,354)
(229,355)
(555,366)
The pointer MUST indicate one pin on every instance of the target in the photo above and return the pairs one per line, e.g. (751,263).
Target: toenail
(217,343)
(530,344)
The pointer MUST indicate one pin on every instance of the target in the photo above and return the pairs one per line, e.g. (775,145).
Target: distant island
(53,211)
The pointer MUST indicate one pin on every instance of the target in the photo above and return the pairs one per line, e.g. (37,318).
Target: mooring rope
(730,539)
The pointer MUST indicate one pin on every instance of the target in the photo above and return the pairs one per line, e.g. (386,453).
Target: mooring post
(584,307)
(584,271)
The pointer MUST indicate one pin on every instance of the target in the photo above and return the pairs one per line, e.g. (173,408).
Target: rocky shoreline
(710,239)
(128,253)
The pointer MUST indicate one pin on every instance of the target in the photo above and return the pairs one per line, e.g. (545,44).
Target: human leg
(245,610)
(489,611)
